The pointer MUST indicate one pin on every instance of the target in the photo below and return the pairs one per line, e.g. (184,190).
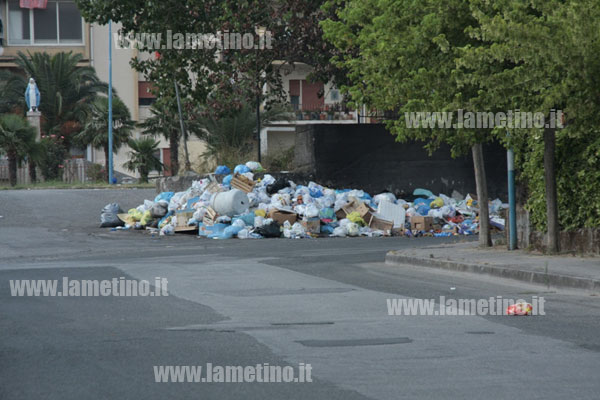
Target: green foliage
(54,153)
(12,87)
(95,129)
(578,180)
(142,158)
(66,89)
(231,139)
(96,173)
(282,161)
(536,56)
(222,79)
(17,138)
(401,56)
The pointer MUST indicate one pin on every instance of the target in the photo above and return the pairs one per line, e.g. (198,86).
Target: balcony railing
(322,112)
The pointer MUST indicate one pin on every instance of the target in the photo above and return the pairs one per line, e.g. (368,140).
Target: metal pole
(258,122)
(183,133)
(110,110)
(512,201)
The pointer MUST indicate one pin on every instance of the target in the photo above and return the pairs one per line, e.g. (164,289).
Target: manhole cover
(353,342)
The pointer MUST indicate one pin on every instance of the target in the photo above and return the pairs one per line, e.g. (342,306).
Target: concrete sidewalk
(553,271)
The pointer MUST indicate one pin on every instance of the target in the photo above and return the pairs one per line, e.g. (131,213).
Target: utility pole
(110,110)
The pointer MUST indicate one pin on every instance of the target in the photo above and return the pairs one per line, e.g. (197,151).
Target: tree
(66,88)
(142,157)
(401,56)
(537,56)
(16,139)
(95,128)
(230,139)
(12,87)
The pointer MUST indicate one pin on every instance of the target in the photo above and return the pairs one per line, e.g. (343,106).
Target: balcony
(323,112)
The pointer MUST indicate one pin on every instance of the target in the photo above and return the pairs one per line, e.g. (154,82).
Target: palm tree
(66,88)
(16,139)
(12,87)
(142,158)
(230,139)
(95,128)
(165,121)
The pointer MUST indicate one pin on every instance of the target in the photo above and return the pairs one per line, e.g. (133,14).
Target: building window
(60,23)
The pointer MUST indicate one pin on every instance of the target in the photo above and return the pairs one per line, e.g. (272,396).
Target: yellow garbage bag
(146,218)
(437,203)
(260,213)
(356,218)
(135,214)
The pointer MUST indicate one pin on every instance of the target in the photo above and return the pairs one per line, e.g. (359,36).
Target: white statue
(32,96)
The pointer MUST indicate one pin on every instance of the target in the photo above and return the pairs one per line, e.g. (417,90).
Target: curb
(501,271)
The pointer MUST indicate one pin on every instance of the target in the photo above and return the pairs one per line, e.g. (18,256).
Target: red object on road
(519,309)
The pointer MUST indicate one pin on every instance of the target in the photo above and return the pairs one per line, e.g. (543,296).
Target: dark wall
(367,157)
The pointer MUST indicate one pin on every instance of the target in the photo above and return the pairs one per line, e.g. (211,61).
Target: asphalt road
(282,302)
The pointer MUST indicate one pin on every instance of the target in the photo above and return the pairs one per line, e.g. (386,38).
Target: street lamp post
(110,110)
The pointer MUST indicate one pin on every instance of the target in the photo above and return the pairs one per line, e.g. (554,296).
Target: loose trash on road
(239,206)
(519,309)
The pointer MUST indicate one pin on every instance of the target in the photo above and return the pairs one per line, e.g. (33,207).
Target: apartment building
(59,27)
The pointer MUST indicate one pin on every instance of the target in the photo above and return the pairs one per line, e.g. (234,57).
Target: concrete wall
(367,156)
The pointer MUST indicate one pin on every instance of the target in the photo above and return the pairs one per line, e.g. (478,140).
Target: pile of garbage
(234,204)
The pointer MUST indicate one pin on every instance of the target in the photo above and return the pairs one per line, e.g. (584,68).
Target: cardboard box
(280,216)
(182,218)
(242,183)
(419,223)
(209,217)
(355,205)
(381,224)
(311,225)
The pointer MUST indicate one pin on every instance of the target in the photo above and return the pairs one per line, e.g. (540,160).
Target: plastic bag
(164,196)
(384,197)
(222,170)
(110,220)
(241,169)
(254,166)
(356,218)
(146,218)
(270,230)
(353,229)
(159,210)
(340,232)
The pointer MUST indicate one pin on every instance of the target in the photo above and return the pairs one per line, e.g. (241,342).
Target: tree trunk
(485,238)
(32,171)
(551,195)
(174,145)
(143,175)
(106,164)
(12,167)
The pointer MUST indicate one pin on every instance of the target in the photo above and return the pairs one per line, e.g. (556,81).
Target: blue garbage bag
(247,218)
(222,170)
(164,196)
(423,192)
(215,229)
(227,180)
(423,210)
(328,229)
(241,169)
(227,233)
